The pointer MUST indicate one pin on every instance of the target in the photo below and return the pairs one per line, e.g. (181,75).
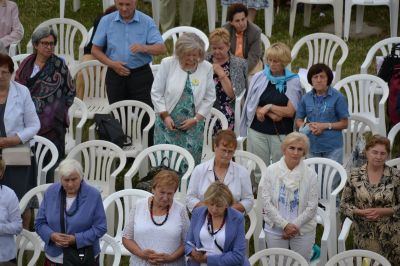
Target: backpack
(108,128)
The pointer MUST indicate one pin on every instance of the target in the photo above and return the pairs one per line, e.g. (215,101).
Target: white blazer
(170,81)
(20,117)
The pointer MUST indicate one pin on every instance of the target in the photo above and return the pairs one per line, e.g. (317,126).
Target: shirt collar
(119,18)
(328,93)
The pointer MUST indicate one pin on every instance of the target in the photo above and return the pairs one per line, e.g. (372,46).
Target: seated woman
(371,198)
(157,226)
(270,107)
(183,94)
(230,75)
(290,195)
(11,30)
(10,221)
(216,235)
(245,37)
(221,168)
(84,217)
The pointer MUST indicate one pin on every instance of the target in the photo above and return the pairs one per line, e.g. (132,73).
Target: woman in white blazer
(183,94)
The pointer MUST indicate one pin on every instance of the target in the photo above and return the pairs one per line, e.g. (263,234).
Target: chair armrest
(344,233)
(240,143)
(12,50)
(238,110)
(261,241)
(92,132)
(131,173)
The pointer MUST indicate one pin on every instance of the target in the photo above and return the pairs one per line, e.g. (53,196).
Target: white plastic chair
(94,78)
(102,161)
(326,170)
(174,33)
(358,125)
(107,4)
(214,116)
(122,201)
(176,155)
(394,163)
(268,17)
(356,257)
(362,92)
(278,257)
(74,132)
(394,131)
(130,114)
(393,6)
(109,243)
(322,48)
(68,31)
(337,13)
(250,232)
(17,59)
(76,7)
(155,11)
(25,242)
(265,42)
(43,148)
(385,47)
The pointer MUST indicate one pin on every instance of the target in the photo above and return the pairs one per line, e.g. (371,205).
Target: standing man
(131,38)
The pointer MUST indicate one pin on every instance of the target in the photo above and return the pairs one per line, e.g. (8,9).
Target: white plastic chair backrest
(265,42)
(22,242)
(356,257)
(358,125)
(77,107)
(89,36)
(213,117)
(105,242)
(37,191)
(176,32)
(384,47)
(177,157)
(94,78)
(250,231)
(68,32)
(17,59)
(394,163)
(44,147)
(101,160)
(322,48)
(130,114)
(123,200)
(278,257)
(394,131)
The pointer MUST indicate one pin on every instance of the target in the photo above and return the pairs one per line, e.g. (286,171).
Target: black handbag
(72,255)
(386,70)
(108,128)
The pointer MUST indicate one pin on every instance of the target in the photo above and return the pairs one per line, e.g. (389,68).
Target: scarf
(290,178)
(279,82)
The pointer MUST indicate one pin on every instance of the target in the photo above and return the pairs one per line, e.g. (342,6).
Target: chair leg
(269,19)
(211,7)
(307,15)
(224,14)
(359,18)
(338,17)
(62,8)
(347,20)
(292,19)
(76,5)
(394,17)
(155,10)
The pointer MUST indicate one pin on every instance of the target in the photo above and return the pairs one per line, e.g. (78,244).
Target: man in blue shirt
(131,38)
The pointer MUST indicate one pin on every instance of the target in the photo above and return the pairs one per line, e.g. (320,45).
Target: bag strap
(62,208)
(395,48)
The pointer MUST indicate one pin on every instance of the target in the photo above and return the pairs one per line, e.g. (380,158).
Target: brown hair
(166,178)
(218,192)
(378,140)
(6,60)
(319,68)
(296,137)
(226,137)
(236,8)
(220,35)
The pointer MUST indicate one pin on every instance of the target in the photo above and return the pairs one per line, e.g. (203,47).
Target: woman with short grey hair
(183,94)
(49,82)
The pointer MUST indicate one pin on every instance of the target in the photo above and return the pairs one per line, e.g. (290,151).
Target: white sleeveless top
(162,239)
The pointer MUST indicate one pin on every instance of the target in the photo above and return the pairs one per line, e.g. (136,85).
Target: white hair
(68,166)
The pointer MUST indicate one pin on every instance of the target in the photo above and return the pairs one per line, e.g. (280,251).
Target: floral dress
(223,102)
(380,236)
(192,139)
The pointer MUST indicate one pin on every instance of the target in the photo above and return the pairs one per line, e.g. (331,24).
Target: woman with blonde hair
(216,235)
(230,75)
(271,103)
(290,196)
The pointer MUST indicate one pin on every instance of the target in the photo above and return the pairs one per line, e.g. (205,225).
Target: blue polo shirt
(329,108)
(119,35)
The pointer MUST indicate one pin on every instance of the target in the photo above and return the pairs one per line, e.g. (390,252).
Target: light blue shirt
(329,108)
(118,35)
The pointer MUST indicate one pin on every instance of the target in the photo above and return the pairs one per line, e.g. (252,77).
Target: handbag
(74,256)
(17,155)
(386,70)
(108,128)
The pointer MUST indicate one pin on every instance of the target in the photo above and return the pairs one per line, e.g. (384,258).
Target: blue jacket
(234,253)
(88,224)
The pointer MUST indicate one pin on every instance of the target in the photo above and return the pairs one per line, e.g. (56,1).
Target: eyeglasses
(48,44)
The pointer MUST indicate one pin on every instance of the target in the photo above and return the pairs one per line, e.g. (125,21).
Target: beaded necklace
(151,215)
(210,227)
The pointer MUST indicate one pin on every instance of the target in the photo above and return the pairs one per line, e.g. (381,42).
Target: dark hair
(319,68)
(225,137)
(378,140)
(236,8)
(5,60)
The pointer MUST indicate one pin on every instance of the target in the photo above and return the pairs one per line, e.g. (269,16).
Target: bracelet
(195,119)
(330,126)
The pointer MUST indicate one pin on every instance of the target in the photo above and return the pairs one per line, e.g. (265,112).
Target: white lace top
(166,238)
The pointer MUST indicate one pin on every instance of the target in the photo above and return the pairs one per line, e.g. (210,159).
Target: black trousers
(136,86)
